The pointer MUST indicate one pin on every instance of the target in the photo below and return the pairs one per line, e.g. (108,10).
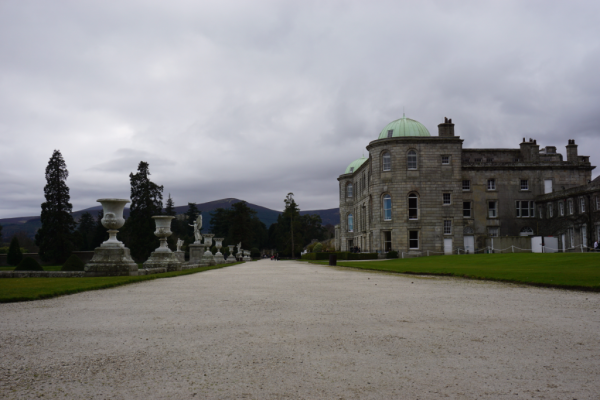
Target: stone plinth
(180,255)
(160,259)
(196,253)
(111,261)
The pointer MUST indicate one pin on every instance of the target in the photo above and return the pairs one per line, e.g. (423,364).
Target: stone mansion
(417,192)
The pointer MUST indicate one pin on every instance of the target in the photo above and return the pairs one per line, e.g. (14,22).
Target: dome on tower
(354,165)
(403,127)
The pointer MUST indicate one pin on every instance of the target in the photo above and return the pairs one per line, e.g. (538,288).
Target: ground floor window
(467,209)
(413,239)
(447,227)
(571,232)
(387,241)
(350,244)
(493,231)
(584,235)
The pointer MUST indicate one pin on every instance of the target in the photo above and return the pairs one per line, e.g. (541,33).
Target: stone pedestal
(180,255)
(219,259)
(163,260)
(231,256)
(196,253)
(111,261)
(247,255)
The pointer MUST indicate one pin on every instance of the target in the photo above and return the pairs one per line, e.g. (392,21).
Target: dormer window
(351,169)
(390,133)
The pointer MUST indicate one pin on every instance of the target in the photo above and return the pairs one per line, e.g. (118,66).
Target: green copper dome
(354,165)
(404,127)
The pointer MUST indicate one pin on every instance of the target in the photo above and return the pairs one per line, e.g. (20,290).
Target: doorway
(469,244)
(447,246)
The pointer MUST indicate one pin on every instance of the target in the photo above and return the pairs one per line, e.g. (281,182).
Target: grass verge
(27,289)
(574,271)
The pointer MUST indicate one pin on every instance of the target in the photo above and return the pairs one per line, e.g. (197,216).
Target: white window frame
(524,184)
(491,184)
(447,227)
(584,235)
(416,198)
(412,164)
(469,209)
(571,237)
(468,185)
(581,205)
(597,203)
(386,166)
(350,220)
(550,210)
(493,231)
(529,206)
(493,211)
(570,204)
(561,208)
(445,160)
(349,190)
(387,213)
(446,199)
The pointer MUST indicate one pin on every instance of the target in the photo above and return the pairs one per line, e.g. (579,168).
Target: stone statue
(239,246)
(197,228)
(179,244)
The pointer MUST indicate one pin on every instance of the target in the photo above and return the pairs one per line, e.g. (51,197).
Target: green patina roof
(404,127)
(354,165)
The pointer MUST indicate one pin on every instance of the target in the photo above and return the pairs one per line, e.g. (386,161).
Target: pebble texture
(288,330)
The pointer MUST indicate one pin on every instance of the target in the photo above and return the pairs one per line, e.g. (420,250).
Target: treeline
(60,234)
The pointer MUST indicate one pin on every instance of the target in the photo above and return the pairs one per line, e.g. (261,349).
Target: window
(570,205)
(491,184)
(351,169)
(493,231)
(447,227)
(584,235)
(445,160)
(390,133)
(561,209)
(597,203)
(525,209)
(412,159)
(413,239)
(581,205)
(489,159)
(571,237)
(478,160)
(446,199)
(413,206)
(387,207)
(466,184)
(349,190)
(467,209)
(387,161)
(350,223)
(492,209)
(550,210)
(524,184)
(540,212)
(527,231)
(387,241)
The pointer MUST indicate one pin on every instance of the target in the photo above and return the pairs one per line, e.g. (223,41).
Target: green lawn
(24,289)
(568,271)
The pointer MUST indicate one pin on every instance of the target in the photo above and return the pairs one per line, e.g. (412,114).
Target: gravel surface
(290,330)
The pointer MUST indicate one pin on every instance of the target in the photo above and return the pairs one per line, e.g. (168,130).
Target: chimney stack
(447,128)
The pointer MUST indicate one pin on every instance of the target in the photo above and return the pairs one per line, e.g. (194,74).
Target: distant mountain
(30,225)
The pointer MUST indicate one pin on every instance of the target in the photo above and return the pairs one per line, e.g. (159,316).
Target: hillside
(30,225)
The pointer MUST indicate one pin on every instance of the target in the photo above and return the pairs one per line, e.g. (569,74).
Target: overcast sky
(255,99)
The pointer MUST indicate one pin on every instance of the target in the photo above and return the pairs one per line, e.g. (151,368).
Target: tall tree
(170,207)
(85,231)
(292,212)
(0,235)
(55,237)
(190,216)
(100,232)
(146,201)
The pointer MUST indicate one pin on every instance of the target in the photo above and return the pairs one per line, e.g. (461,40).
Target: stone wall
(84,255)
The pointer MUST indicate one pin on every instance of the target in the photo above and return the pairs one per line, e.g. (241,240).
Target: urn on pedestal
(112,257)
(231,256)
(163,257)
(219,259)
(208,256)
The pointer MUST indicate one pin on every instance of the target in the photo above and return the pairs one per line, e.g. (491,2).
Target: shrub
(340,256)
(318,248)
(14,256)
(254,252)
(392,254)
(73,263)
(29,264)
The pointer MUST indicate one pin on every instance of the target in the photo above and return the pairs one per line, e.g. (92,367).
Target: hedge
(340,256)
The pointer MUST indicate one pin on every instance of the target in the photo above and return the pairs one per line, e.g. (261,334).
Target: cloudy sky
(255,99)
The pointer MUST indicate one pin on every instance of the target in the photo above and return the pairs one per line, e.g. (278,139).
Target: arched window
(413,206)
(412,159)
(387,207)
(387,161)
(350,223)
(349,190)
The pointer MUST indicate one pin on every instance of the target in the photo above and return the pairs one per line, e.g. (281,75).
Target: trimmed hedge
(29,264)
(73,263)
(345,255)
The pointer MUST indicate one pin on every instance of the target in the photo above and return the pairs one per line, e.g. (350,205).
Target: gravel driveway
(289,330)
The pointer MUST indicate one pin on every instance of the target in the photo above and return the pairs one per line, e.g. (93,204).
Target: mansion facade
(418,193)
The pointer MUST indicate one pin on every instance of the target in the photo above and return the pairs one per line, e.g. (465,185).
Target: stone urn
(218,245)
(163,231)
(208,238)
(113,220)
(231,253)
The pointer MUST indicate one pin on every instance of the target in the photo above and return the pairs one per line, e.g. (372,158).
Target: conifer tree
(85,231)
(14,255)
(190,216)
(100,232)
(146,201)
(55,237)
(0,235)
(170,207)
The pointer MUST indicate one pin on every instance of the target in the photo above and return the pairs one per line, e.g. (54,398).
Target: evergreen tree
(14,256)
(85,232)
(0,235)
(55,237)
(292,212)
(170,207)
(220,222)
(146,201)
